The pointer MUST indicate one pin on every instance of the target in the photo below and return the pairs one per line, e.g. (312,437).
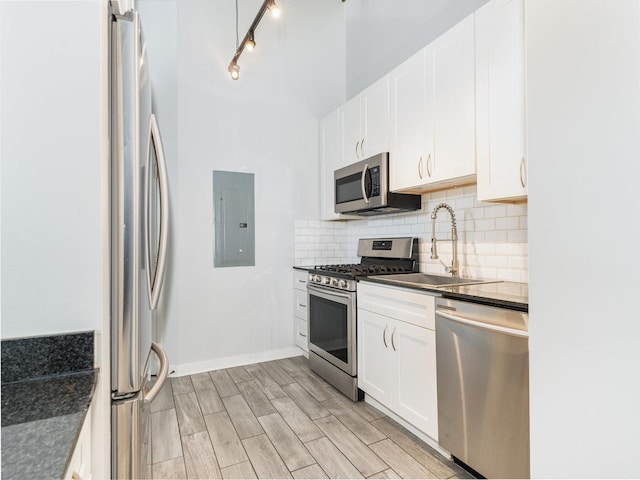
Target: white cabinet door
(415,380)
(374,118)
(364,123)
(500,110)
(408,124)
(330,160)
(374,362)
(396,353)
(351,136)
(450,101)
(79,467)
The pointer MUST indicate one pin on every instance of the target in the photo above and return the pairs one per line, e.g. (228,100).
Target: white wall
(52,225)
(583,96)
(381,34)
(267,124)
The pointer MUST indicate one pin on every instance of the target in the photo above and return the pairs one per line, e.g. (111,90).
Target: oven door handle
(329,291)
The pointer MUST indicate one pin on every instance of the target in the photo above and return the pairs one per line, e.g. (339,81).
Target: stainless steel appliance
(331,294)
(483,387)
(139,230)
(362,188)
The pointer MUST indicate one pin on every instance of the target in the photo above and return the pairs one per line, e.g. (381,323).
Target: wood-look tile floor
(279,420)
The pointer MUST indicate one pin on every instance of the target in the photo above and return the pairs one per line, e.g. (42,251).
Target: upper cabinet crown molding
(500,101)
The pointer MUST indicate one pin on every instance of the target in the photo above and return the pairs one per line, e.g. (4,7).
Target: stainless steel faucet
(454,268)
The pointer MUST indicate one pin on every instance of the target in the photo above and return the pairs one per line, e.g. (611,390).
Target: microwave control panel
(375,181)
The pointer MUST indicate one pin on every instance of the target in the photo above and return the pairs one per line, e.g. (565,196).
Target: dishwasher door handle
(485,326)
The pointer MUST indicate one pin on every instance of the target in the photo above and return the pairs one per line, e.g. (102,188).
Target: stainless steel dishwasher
(483,387)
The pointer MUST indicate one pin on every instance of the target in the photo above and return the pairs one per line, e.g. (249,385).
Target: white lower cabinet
(396,353)
(300,308)
(80,464)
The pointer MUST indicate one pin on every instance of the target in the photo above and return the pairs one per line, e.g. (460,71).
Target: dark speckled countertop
(47,385)
(511,295)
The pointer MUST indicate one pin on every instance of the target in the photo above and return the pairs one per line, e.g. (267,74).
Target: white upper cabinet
(450,97)
(374,118)
(432,114)
(408,124)
(364,123)
(330,160)
(501,130)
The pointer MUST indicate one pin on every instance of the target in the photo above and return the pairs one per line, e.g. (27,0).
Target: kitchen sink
(427,280)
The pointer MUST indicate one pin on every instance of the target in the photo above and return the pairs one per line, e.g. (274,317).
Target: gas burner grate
(362,269)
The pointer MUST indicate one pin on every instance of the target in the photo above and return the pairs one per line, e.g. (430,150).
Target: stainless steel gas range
(332,303)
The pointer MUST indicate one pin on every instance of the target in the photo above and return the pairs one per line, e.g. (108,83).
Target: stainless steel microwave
(362,188)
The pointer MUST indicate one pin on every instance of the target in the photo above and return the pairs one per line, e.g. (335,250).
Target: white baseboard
(235,361)
(421,435)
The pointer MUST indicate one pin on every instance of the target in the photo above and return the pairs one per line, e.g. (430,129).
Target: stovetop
(379,256)
(359,269)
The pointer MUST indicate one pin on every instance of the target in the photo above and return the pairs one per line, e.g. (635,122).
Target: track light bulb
(234,71)
(274,8)
(251,43)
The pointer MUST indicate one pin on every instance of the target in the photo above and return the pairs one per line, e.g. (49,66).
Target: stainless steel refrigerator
(139,233)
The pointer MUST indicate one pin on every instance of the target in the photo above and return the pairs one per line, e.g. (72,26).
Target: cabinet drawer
(301,334)
(300,304)
(300,279)
(402,304)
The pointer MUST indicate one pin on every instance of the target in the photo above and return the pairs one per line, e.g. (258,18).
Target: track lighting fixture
(249,41)
(234,70)
(274,9)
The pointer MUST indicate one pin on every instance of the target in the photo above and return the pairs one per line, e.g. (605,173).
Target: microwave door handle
(362,183)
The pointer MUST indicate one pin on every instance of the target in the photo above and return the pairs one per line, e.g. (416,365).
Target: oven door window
(329,326)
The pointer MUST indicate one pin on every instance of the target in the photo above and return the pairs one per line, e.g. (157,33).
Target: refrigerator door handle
(155,281)
(162,376)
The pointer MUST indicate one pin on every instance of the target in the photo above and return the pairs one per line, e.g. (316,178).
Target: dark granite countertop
(47,386)
(511,295)
(306,268)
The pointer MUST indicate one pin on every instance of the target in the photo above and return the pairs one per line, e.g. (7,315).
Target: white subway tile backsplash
(492,239)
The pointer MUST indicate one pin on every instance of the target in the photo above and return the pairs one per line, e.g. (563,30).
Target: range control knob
(334,282)
(343,284)
(326,280)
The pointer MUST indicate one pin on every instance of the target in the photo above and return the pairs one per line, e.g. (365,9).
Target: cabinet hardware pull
(523,175)
(420,168)
(429,165)
(302,305)
(393,336)
(384,337)
(357,156)
(361,147)
(303,335)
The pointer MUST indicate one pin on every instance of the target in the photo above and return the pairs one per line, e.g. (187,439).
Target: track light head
(251,43)
(234,70)
(274,8)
